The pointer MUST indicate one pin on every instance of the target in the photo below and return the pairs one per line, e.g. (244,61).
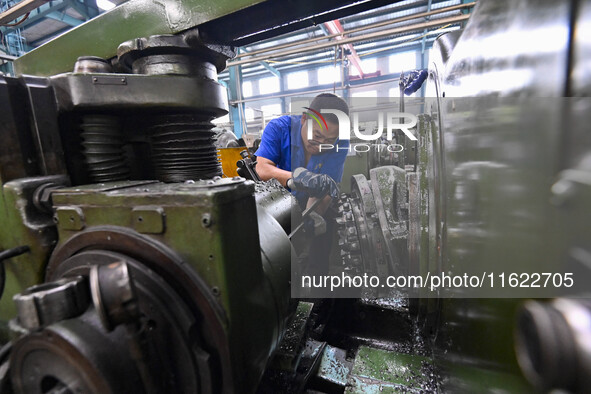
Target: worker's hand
(314,224)
(316,185)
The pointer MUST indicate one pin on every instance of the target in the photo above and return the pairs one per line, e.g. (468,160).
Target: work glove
(316,185)
(314,224)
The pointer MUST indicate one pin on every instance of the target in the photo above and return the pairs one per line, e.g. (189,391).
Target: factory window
(246,89)
(404,61)
(249,114)
(297,80)
(367,65)
(271,110)
(269,85)
(329,74)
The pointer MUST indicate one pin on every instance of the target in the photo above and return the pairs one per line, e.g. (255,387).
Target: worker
(317,164)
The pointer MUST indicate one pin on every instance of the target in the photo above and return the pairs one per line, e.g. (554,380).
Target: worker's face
(320,135)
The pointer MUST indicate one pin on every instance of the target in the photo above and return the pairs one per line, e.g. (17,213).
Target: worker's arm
(314,184)
(268,170)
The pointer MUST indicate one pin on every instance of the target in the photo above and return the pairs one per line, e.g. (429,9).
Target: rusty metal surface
(379,371)
(334,367)
(289,351)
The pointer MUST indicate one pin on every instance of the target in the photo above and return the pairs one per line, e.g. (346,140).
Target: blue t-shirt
(282,144)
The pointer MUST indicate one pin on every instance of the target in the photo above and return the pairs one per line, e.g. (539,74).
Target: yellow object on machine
(229,157)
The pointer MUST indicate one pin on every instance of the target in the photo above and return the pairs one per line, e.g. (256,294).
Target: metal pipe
(9,253)
(5,255)
(319,59)
(303,61)
(371,36)
(358,29)
(310,91)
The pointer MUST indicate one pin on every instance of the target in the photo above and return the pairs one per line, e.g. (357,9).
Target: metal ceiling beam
(352,19)
(39,14)
(276,17)
(309,34)
(312,90)
(316,58)
(401,9)
(384,11)
(254,74)
(63,17)
(385,48)
(365,37)
(363,28)
(313,60)
(269,68)
(42,40)
(88,11)
(324,29)
(19,9)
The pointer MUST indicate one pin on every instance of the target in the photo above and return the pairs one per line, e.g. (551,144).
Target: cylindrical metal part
(165,342)
(183,148)
(552,344)
(92,64)
(113,294)
(171,64)
(10,253)
(103,143)
(276,255)
(184,54)
(277,201)
(182,144)
(73,356)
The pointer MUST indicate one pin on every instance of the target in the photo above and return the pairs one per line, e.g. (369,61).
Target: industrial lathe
(130,264)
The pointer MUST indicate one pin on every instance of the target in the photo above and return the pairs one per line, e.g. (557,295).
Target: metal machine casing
(217,272)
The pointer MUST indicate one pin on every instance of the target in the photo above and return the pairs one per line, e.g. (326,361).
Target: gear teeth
(348,237)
